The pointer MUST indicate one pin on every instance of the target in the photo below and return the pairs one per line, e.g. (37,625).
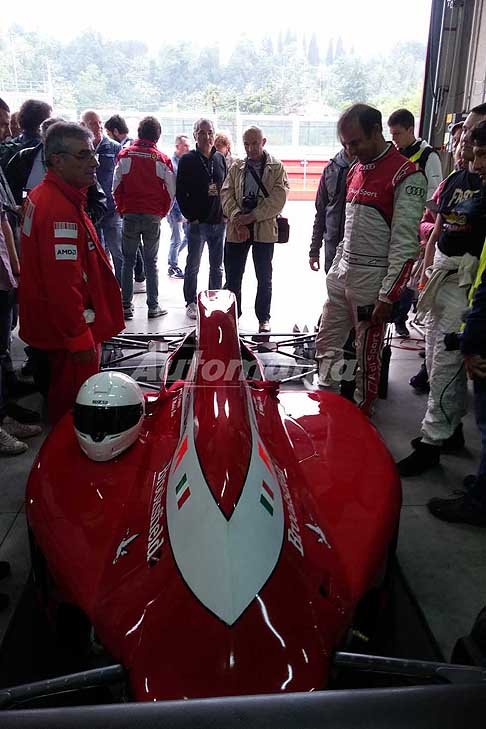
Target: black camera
(452,341)
(250,202)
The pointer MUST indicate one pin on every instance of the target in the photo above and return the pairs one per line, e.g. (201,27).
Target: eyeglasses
(83,156)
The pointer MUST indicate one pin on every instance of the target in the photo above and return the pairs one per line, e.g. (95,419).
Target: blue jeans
(235,255)
(110,235)
(178,237)
(138,226)
(139,269)
(404,306)
(197,235)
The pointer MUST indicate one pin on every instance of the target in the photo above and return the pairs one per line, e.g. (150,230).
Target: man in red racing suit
(69,298)
(384,202)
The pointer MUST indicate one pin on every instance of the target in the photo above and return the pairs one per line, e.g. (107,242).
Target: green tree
(92,88)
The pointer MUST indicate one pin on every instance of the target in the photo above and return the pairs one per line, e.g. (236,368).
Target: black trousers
(235,255)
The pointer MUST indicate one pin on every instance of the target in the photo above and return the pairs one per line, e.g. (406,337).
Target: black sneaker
(462,509)
(453,444)
(128,312)
(21,414)
(420,381)
(27,369)
(17,388)
(424,456)
(155,312)
(402,329)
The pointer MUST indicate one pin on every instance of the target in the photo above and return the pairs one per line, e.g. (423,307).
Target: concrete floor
(443,564)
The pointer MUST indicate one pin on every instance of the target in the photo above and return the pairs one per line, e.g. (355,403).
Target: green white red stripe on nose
(267,498)
(182,491)
(181,452)
(221,566)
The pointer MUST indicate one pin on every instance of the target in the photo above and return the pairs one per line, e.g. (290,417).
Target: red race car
(227,550)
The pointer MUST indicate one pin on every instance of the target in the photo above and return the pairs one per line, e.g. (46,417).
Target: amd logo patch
(65,252)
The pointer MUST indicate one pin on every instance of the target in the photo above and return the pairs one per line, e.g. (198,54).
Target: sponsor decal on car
(122,549)
(155,533)
(293,532)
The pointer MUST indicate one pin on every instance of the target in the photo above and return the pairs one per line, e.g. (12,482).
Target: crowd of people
(82,206)
(394,231)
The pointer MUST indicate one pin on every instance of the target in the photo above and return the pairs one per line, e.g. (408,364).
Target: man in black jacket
(27,169)
(330,204)
(31,115)
(200,176)
(470,508)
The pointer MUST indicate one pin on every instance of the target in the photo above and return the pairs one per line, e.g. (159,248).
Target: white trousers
(339,316)
(447,377)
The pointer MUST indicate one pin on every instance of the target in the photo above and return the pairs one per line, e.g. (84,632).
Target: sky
(367,26)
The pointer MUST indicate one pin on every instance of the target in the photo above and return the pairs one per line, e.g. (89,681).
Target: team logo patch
(66,252)
(413,190)
(66,230)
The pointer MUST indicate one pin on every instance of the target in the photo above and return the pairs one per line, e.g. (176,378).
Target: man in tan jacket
(252,196)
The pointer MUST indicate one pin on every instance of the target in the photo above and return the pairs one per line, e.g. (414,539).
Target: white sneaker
(139,287)
(20,430)
(191,311)
(10,446)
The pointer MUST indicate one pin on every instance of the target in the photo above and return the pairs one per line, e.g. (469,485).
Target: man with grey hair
(69,298)
(109,228)
(200,176)
(253,194)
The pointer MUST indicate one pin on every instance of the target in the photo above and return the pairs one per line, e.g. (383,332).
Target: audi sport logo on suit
(413,190)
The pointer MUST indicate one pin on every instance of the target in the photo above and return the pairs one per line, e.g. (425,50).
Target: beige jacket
(275,180)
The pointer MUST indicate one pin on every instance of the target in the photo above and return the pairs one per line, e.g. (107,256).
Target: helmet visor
(100,422)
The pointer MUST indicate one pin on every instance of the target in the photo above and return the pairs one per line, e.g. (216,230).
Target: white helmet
(108,414)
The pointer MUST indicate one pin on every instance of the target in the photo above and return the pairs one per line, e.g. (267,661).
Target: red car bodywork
(226,551)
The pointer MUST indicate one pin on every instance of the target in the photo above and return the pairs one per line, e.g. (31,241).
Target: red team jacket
(66,277)
(144,180)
